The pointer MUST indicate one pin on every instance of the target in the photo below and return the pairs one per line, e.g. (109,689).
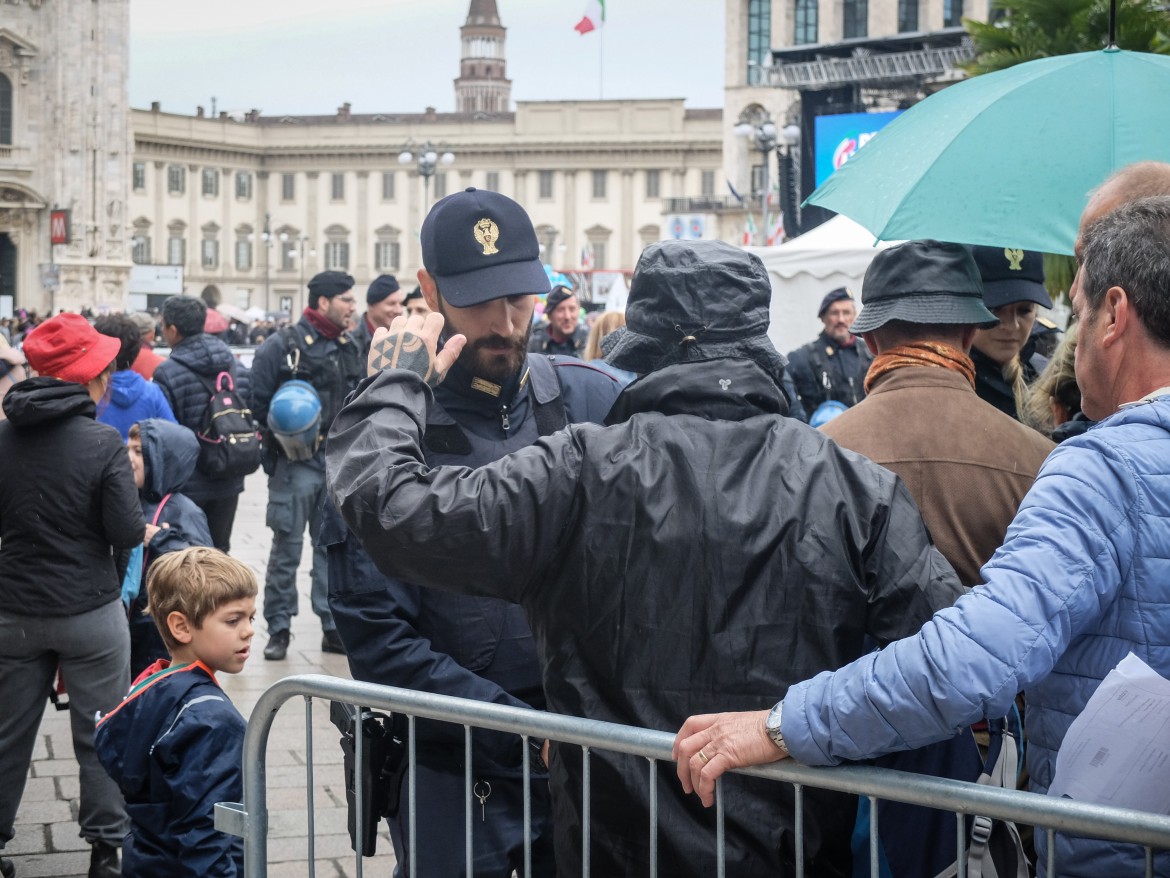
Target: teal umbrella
(1008,157)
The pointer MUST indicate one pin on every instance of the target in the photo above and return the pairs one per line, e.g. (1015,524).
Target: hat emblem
(724,383)
(1015,258)
(487,233)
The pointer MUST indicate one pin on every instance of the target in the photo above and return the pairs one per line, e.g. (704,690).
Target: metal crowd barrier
(249,820)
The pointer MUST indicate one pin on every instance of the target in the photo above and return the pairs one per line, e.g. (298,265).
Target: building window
(598,248)
(243,248)
(210,253)
(856,22)
(707,183)
(176,244)
(210,182)
(649,234)
(243,185)
(806,22)
(653,184)
(759,46)
(139,176)
(387,251)
(288,187)
(176,179)
(599,178)
(337,248)
(907,16)
(545,179)
(288,238)
(952,13)
(492,181)
(440,185)
(5,110)
(598,237)
(140,253)
(757,180)
(338,187)
(387,185)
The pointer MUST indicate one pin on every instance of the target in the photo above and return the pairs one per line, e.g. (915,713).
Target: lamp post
(789,167)
(428,159)
(763,133)
(302,242)
(266,238)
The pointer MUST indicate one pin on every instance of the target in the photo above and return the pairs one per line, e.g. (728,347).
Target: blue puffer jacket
(175,747)
(186,378)
(132,399)
(1082,580)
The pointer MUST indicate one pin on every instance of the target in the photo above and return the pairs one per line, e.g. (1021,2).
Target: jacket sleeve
(201,756)
(265,376)
(377,618)
(164,381)
(800,372)
(186,527)
(1058,568)
(122,521)
(491,530)
(162,408)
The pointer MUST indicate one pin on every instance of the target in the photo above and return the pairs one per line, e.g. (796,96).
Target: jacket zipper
(504,422)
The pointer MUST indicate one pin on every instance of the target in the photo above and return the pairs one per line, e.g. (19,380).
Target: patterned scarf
(920,353)
(322,324)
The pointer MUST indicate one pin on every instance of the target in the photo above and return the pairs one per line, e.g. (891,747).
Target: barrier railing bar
(1051,870)
(312,825)
(1149,862)
(873,837)
(798,827)
(358,788)
(1136,827)
(653,818)
(525,745)
(720,839)
(586,812)
(412,798)
(469,792)
(961,845)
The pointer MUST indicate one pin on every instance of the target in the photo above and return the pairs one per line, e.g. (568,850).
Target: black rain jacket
(700,555)
(67,502)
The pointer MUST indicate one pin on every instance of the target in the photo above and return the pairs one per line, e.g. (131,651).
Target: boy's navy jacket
(175,747)
(169,453)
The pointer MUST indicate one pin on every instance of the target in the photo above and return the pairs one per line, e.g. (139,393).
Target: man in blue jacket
(1082,580)
(496,399)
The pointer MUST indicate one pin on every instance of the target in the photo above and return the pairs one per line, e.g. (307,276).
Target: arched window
(5,110)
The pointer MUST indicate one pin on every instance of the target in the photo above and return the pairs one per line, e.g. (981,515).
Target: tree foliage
(1024,30)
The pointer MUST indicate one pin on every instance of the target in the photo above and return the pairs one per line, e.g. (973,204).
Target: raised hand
(411,343)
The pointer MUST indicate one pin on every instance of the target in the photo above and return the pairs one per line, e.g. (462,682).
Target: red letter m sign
(59,227)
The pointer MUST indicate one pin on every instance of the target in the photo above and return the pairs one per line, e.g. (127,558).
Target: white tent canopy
(834,254)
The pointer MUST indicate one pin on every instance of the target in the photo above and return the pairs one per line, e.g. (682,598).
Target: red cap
(67,347)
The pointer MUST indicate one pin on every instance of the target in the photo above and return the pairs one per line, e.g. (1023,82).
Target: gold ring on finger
(704,757)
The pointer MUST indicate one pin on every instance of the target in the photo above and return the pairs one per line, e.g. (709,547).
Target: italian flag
(593,18)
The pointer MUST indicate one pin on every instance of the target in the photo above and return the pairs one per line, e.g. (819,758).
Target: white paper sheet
(1117,752)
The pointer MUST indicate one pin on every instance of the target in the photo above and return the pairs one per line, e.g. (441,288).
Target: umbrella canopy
(214,322)
(232,312)
(1009,158)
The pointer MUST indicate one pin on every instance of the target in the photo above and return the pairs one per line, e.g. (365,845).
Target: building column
(413,219)
(573,246)
(678,183)
(312,226)
(520,192)
(194,233)
(158,229)
(361,266)
(626,229)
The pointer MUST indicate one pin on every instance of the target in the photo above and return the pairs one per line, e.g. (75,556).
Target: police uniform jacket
(824,369)
(468,645)
(573,346)
(701,554)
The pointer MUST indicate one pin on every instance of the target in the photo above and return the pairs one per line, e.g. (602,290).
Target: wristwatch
(772,727)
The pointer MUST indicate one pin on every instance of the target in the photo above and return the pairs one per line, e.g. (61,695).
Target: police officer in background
(561,332)
(318,351)
(833,365)
(482,272)
(385,300)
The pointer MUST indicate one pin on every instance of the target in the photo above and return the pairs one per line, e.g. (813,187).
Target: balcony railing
(702,204)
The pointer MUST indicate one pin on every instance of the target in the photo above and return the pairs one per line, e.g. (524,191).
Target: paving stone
(54,767)
(67,865)
(40,789)
(66,837)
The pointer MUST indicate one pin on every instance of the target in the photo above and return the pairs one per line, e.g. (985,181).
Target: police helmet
(294,417)
(826,411)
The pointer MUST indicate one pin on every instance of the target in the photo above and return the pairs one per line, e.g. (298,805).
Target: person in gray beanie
(699,550)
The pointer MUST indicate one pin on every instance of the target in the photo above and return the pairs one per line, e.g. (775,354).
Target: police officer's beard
(496,357)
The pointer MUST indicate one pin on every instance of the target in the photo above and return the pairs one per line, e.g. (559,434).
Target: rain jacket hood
(126,388)
(39,401)
(169,453)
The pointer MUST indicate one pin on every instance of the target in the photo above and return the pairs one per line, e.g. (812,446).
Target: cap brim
(937,309)
(997,293)
(494,282)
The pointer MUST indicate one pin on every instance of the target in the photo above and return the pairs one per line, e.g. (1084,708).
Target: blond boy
(175,744)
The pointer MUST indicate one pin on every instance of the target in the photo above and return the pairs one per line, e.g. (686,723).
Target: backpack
(229,445)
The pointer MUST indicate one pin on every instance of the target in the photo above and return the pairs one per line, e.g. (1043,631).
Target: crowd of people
(619,516)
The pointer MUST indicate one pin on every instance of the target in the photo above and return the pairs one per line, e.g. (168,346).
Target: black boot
(277,647)
(7,868)
(105,860)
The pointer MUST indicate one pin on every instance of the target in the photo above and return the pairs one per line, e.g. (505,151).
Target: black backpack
(229,445)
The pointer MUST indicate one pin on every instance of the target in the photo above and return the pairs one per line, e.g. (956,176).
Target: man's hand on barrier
(711,744)
(412,343)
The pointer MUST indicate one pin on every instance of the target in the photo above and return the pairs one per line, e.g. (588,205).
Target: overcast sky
(309,56)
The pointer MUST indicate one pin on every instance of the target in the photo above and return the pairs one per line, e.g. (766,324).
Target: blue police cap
(480,245)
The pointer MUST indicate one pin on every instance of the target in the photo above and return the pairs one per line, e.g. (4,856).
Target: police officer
(833,365)
(316,350)
(483,272)
(385,300)
(562,332)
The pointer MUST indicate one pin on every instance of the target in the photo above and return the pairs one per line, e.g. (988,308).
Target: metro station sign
(59,227)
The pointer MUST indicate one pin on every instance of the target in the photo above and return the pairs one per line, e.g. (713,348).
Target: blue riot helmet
(294,417)
(826,411)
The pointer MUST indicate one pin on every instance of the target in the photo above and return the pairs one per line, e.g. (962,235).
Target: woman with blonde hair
(603,326)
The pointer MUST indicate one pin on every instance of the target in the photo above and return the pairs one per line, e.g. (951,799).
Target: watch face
(773,723)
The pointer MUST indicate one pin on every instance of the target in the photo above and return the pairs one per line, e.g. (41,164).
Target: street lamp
(789,166)
(428,160)
(302,242)
(763,134)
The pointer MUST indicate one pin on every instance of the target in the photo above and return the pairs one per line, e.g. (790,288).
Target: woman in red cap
(67,505)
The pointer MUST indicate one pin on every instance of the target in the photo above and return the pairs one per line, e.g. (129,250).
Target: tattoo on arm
(404,350)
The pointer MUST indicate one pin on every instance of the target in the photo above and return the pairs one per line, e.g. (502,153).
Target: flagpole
(600,61)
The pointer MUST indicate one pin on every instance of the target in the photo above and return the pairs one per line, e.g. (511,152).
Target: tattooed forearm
(404,350)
